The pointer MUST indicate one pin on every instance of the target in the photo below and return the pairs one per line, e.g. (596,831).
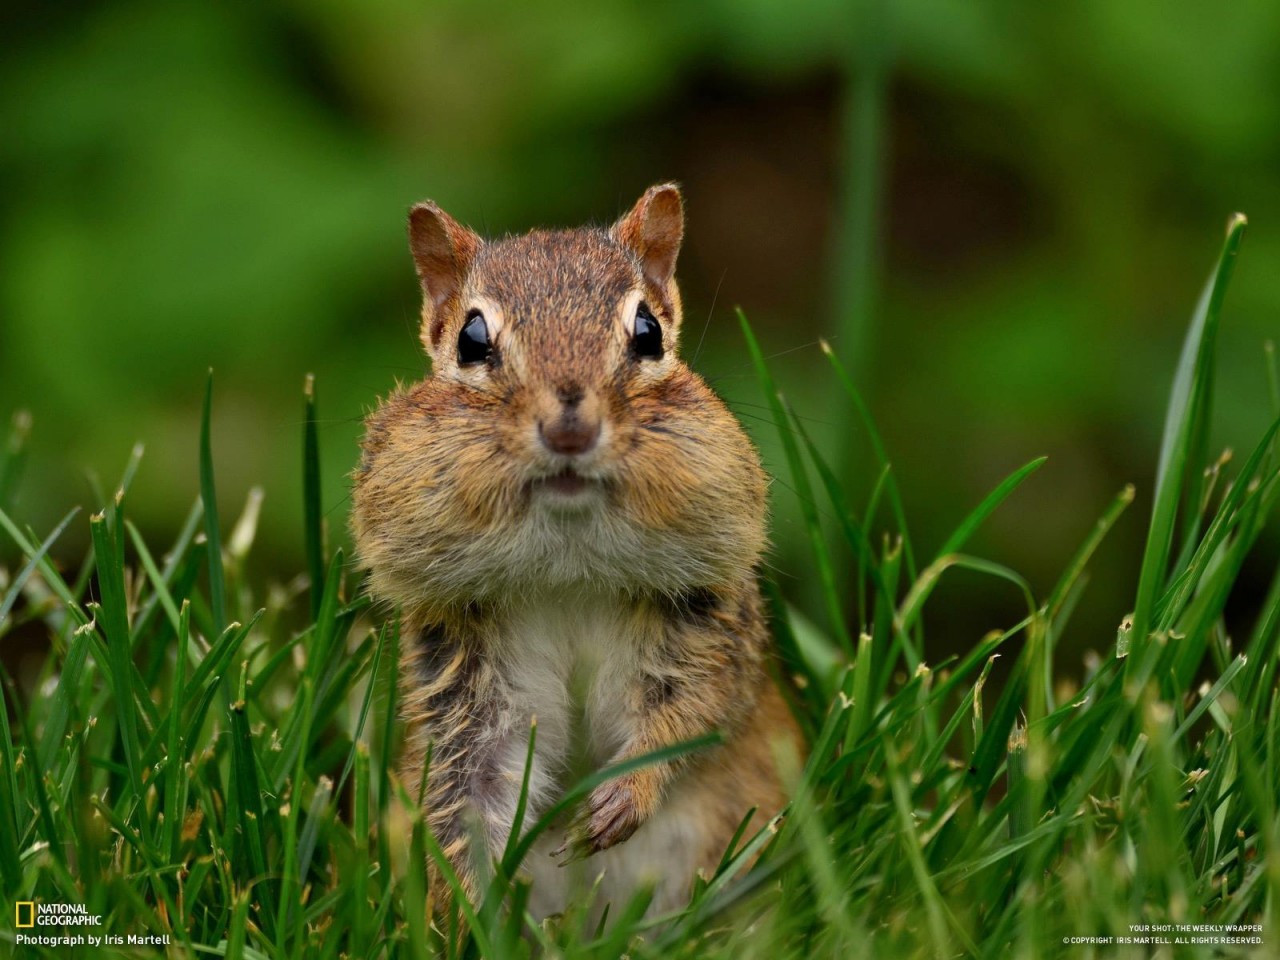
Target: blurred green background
(1000,214)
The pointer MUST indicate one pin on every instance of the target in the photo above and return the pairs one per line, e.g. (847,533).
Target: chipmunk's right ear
(443,251)
(653,229)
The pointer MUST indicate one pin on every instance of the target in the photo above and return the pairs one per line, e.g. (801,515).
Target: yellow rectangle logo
(24,908)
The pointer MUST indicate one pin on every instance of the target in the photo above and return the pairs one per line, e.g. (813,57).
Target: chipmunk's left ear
(653,230)
(443,251)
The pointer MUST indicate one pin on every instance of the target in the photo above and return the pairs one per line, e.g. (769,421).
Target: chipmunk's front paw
(612,813)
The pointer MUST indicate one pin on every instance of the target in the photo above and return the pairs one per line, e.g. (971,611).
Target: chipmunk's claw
(609,817)
(576,845)
(615,815)
(568,853)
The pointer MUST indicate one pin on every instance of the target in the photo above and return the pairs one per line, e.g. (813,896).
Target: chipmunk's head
(559,420)
(566,328)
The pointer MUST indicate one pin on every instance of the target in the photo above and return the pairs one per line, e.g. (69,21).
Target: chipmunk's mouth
(566,484)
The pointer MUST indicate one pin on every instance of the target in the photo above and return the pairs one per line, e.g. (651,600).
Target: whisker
(772,356)
(822,511)
(763,406)
(757,418)
(710,313)
(330,421)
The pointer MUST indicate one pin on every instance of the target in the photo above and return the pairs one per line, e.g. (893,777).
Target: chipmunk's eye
(646,341)
(473,341)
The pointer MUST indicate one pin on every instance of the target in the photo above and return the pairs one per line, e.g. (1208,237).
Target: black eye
(646,342)
(473,341)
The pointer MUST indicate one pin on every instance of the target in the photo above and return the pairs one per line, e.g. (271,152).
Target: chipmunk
(570,522)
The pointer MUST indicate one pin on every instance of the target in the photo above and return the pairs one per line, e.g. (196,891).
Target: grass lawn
(189,763)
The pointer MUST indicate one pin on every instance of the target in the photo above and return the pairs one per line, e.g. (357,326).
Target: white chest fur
(574,662)
(570,661)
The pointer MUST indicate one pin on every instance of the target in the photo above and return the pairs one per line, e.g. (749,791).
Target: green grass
(187,761)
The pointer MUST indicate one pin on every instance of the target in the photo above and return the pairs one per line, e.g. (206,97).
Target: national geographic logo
(29,913)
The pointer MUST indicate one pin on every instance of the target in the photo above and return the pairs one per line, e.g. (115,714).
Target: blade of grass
(877,444)
(15,589)
(154,575)
(319,811)
(291,879)
(1211,696)
(311,513)
(251,820)
(358,937)
(218,659)
(860,715)
(1077,564)
(1185,423)
(853,533)
(37,775)
(1262,645)
(804,492)
(988,506)
(1232,509)
(509,863)
(175,754)
(13,457)
(48,572)
(365,707)
(237,935)
(10,868)
(884,632)
(108,549)
(939,917)
(169,571)
(212,532)
(913,603)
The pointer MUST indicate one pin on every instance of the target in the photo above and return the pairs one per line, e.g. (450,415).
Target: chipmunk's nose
(574,429)
(570,438)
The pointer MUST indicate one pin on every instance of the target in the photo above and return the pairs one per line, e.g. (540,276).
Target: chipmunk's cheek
(656,496)
(488,497)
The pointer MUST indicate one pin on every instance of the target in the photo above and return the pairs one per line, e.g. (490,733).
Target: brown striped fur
(626,617)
